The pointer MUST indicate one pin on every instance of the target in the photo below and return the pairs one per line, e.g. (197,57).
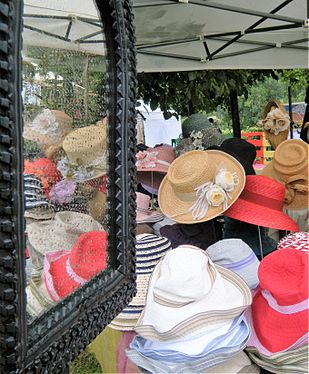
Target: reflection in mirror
(65,170)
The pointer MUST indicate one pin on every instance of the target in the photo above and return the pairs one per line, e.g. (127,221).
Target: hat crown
(291,158)
(77,223)
(88,255)
(190,171)
(284,274)
(165,153)
(187,274)
(227,251)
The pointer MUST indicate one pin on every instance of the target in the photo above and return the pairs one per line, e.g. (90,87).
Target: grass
(85,363)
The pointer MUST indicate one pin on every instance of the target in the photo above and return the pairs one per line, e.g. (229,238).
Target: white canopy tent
(180,35)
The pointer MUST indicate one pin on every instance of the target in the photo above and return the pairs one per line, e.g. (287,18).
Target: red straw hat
(153,164)
(280,307)
(66,271)
(261,203)
(45,170)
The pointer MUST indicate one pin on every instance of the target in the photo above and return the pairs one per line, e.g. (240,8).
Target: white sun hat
(188,293)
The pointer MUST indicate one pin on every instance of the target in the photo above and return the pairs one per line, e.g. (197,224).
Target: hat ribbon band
(296,183)
(72,273)
(288,309)
(265,201)
(242,263)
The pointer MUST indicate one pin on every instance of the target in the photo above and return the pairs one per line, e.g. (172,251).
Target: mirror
(73,189)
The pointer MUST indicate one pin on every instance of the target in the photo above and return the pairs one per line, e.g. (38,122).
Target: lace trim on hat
(146,159)
(45,124)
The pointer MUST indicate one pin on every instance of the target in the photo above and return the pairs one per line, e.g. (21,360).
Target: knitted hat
(66,271)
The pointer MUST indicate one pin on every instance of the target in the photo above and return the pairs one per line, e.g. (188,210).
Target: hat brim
(176,208)
(300,200)
(259,215)
(149,217)
(57,281)
(152,179)
(277,331)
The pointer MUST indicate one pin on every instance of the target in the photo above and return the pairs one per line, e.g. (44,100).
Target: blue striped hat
(149,250)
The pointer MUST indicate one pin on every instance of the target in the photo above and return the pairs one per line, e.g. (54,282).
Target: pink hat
(65,271)
(155,160)
(143,213)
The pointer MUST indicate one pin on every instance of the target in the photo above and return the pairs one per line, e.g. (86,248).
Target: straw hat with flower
(200,185)
(86,155)
(276,123)
(48,128)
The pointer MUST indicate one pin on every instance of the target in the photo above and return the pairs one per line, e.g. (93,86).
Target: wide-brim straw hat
(48,128)
(188,293)
(61,232)
(290,167)
(189,191)
(261,203)
(280,307)
(236,255)
(86,154)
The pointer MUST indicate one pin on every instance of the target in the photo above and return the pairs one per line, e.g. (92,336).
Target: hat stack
(279,315)
(143,212)
(149,250)
(193,319)
(290,167)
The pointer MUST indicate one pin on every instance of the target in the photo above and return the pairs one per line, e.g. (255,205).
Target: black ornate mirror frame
(60,334)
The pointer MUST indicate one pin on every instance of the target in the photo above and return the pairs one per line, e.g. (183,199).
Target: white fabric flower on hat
(215,196)
(226,180)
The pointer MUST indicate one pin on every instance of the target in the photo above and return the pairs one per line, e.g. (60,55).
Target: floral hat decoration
(200,185)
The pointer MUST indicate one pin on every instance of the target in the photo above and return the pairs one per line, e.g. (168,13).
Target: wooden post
(235,114)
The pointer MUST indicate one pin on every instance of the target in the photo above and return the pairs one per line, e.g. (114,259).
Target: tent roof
(178,35)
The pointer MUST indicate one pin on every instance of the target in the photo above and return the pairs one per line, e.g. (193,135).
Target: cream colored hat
(188,293)
(61,232)
(86,154)
(200,185)
(48,128)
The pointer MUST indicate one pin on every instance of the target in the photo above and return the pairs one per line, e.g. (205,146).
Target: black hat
(241,148)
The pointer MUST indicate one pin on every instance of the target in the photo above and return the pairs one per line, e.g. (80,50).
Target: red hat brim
(256,214)
(277,331)
(57,281)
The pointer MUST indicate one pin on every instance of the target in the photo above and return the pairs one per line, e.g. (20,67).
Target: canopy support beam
(235,114)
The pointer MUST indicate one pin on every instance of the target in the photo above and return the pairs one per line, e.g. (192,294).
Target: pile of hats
(193,320)
(279,315)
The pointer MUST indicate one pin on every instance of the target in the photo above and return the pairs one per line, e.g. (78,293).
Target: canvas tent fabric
(180,35)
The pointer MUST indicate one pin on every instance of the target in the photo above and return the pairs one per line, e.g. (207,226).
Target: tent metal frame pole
(170,55)
(47,33)
(171,2)
(167,43)
(290,111)
(249,12)
(69,29)
(89,36)
(250,29)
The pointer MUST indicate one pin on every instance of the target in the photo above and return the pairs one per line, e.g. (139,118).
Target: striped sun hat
(149,250)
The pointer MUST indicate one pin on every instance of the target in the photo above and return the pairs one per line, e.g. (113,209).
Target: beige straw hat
(290,167)
(86,154)
(48,128)
(97,206)
(61,232)
(200,185)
